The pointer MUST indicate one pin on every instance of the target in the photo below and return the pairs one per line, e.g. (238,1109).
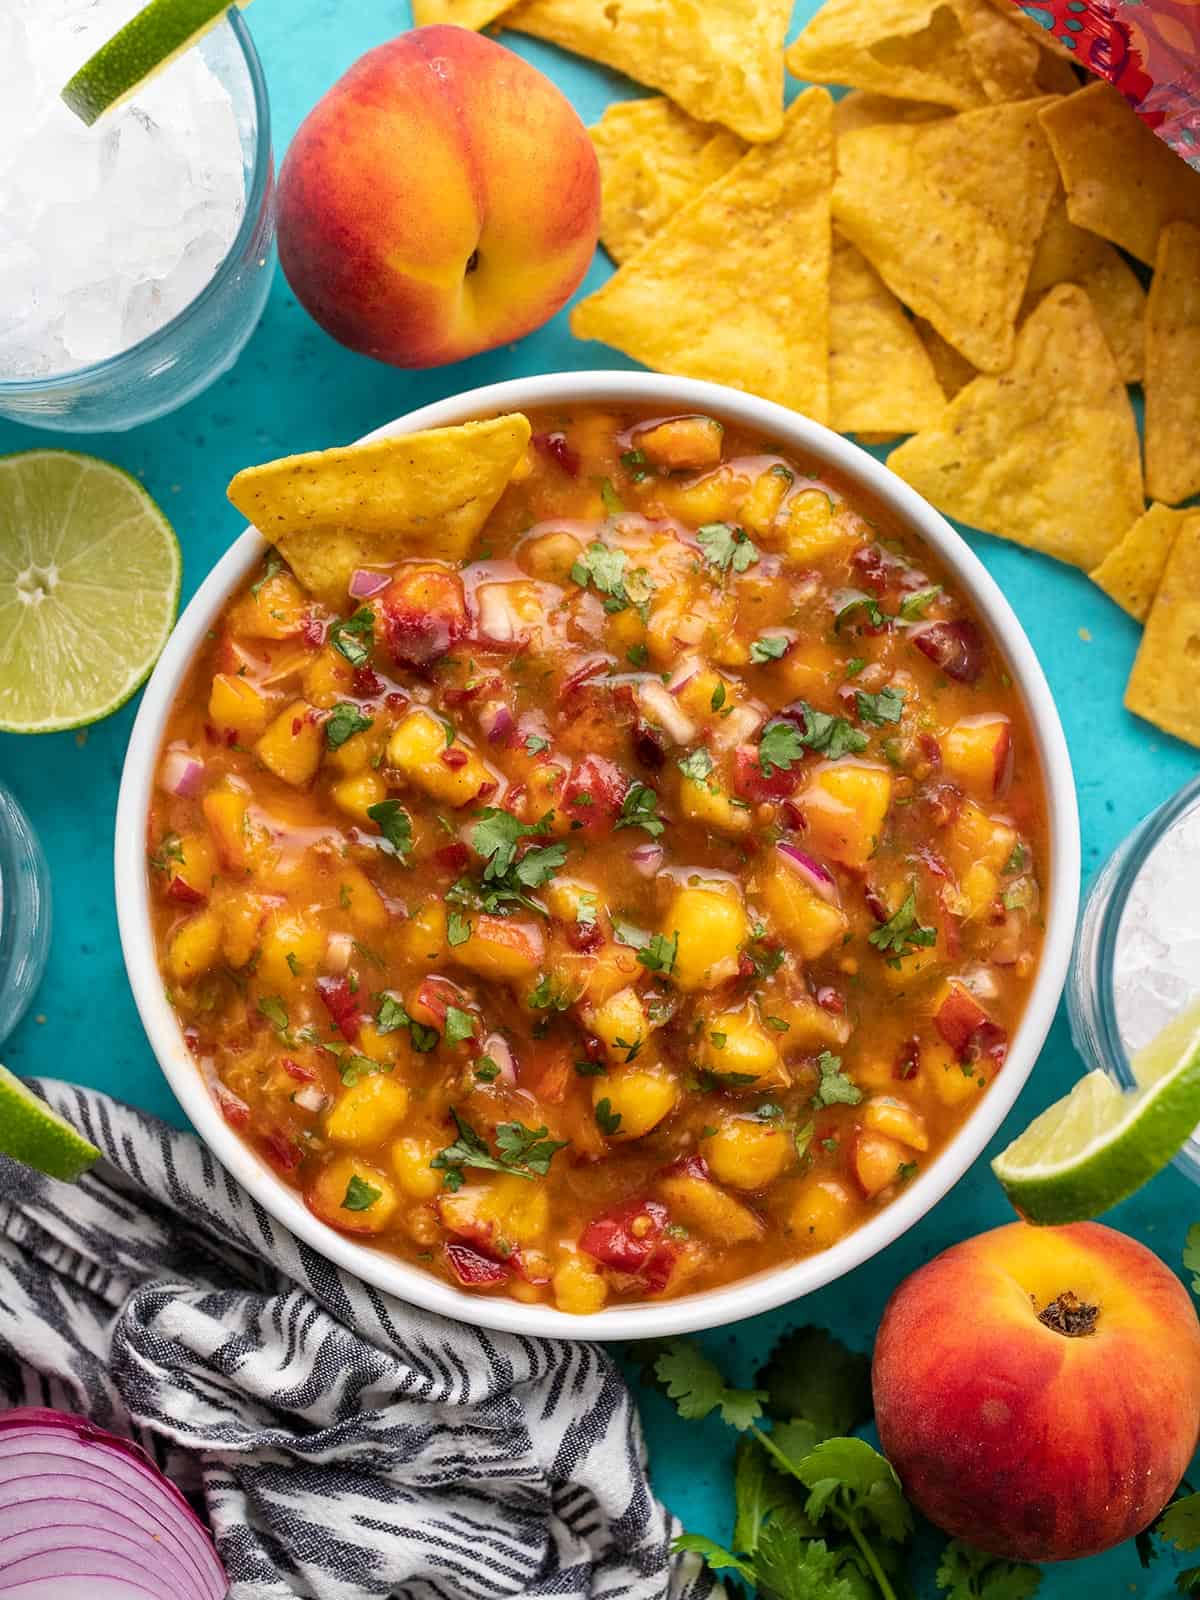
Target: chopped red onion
(647,858)
(662,708)
(739,727)
(364,583)
(496,721)
(497,1047)
(182,773)
(684,673)
(817,877)
(87,1516)
(339,948)
(499,620)
(310,1098)
(956,647)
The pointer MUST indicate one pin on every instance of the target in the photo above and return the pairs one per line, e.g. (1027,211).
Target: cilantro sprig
(783,742)
(902,933)
(523,1152)
(609,573)
(353,637)
(728,549)
(639,809)
(506,880)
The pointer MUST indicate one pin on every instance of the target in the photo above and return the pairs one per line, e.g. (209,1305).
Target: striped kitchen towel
(344,1445)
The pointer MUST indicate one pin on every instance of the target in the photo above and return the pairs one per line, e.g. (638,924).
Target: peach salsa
(632,900)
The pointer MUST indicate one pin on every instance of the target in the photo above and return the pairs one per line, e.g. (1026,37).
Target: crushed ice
(1156,961)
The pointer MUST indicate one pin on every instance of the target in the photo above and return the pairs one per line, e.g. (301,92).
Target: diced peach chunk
(887,1113)
(450,772)
(809,1026)
(579,1289)
(818,1214)
(845,804)
(353,1196)
(328,678)
(712,807)
(290,934)
(276,608)
(709,922)
(812,530)
(735,1043)
(500,948)
(291,746)
(195,947)
(367,1112)
(761,505)
(640,1096)
(877,1161)
(358,794)
(808,922)
(235,704)
(242,914)
(974,836)
(747,1153)
(682,442)
(411,1160)
(360,899)
(706,1207)
(423,936)
(619,1023)
(977,753)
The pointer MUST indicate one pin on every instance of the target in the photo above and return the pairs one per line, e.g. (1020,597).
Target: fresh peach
(1038,1389)
(977,752)
(441,199)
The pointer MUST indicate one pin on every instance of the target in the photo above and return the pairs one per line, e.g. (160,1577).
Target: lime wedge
(30,1132)
(1096,1146)
(89,587)
(146,44)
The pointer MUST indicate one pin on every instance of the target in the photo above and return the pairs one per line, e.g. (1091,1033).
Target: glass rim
(1143,842)
(255,194)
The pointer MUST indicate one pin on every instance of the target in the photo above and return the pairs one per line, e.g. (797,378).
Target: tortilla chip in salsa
(721,62)
(1046,454)
(1164,686)
(1173,367)
(1132,570)
(735,287)
(949,214)
(330,512)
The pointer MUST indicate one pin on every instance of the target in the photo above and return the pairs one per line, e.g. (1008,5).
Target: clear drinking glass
(24,913)
(205,339)
(1096,1022)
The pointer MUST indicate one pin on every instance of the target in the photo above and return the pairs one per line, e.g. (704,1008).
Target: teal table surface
(294,389)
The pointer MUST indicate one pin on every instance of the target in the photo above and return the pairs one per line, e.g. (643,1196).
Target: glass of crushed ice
(135,255)
(24,913)
(1137,953)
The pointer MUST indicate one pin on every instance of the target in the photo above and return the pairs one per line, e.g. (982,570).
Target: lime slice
(145,45)
(89,588)
(1096,1146)
(32,1133)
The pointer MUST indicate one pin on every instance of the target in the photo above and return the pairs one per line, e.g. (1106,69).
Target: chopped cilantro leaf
(779,746)
(834,1087)
(613,504)
(458,929)
(697,765)
(855,665)
(1016,860)
(768,649)
(343,723)
(391,1014)
(863,603)
(460,1025)
(591,1069)
(548,995)
(708,1078)
(360,1195)
(169,852)
(538,866)
(354,636)
(917,604)
(525,1152)
(486,1070)
(639,809)
(353,1069)
(496,835)
(273,564)
(637,655)
(727,549)
(829,735)
(886,706)
(607,1120)
(273,1008)
(658,955)
(294,966)
(902,933)
(628,933)
(697,1387)
(718,697)
(394,823)
(535,744)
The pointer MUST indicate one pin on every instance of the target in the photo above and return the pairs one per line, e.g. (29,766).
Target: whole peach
(441,199)
(1038,1389)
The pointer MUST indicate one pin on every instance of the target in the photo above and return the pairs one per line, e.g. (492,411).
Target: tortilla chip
(1029,25)
(952,370)
(1164,686)
(881,379)
(1122,181)
(721,60)
(1067,254)
(858,109)
(1132,570)
(463,13)
(911,49)
(1173,367)
(653,159)
(735,287)
(949,214)
(428,494)
(1047,453)
(1003,57)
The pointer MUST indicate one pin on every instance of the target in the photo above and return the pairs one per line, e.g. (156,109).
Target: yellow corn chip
(858,109)
(1173,367)
(653,159)
(735,287)
(1047,453)
(1132,570)
(1164,686)
(427,494)
(912,49)
(949,214)
(1026,23)
(463,13)
(1068,254)
(721,60)
(953,371)
(1003,57)
(1121,180)
(881,379)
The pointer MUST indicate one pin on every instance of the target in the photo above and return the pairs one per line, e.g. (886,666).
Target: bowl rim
(773,1287)
(258,187)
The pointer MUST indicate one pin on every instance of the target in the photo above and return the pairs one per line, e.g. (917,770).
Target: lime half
(1096,1146)
(146,44)
(89,588)
(30,1132)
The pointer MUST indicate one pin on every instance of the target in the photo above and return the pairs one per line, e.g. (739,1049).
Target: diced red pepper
(181,891)
(593,793)
(313,630)
(908,1061)
(367,683)
(455,856)
(627,1237)
(555,448)
(752,783)
(295,1070)
(339,1001)
(472,1269)
(281,1151)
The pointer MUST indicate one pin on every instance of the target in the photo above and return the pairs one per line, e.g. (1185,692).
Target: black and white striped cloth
(345,1446)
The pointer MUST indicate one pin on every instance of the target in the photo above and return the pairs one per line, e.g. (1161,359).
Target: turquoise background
(294,389)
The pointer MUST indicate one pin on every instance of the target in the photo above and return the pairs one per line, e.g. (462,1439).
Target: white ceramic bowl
(764,1291)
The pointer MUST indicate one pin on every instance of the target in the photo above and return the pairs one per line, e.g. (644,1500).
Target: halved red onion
(647,858)
(496,721)
(662,708)
(339,948)
(182,773)
(364,583)
(684,673)
(497,1047)
(87,1516)
(818,878)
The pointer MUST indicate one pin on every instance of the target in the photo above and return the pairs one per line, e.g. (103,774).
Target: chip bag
(1045,454)
(332,511)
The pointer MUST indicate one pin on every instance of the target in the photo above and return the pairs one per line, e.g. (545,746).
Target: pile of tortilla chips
(945,252)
